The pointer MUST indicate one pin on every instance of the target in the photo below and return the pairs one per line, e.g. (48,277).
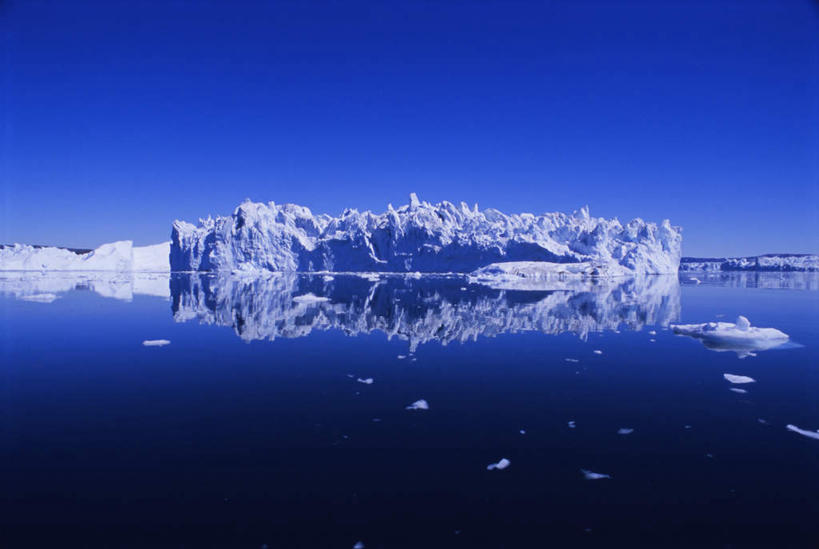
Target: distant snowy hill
(768,262)
(120,256)
(418,237)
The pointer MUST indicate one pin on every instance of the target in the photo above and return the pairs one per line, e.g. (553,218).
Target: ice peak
(414,202)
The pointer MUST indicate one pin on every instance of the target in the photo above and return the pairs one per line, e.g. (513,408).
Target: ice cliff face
(120,256)
(770,262)
(418,237)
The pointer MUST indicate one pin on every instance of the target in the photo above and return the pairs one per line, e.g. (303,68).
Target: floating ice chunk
(156,342)
(328,278)
(572,424)
(40,298)
(402,357)
(418,405)
(365,381)
(738,390)
(738,379)
(762,421)
(625,431)
(741,337)
(686,427)
(571,360)
(652,340)
(310,298)
(597,352)
(502,464)
(804,432)
(652,332)
(522,431)
(358,545)
(695,280)
(591,475)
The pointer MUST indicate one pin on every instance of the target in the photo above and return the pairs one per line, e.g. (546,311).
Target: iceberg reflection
(419,309)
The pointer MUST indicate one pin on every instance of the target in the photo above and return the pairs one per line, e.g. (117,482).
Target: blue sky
(119,117)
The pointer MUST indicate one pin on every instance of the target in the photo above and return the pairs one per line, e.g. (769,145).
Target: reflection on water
(37,286)
(419,310)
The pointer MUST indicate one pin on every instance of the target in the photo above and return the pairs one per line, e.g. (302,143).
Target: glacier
(767,262)
(121,256)
(419,237)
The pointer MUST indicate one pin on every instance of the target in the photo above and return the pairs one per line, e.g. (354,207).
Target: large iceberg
(120,256)
(418,237)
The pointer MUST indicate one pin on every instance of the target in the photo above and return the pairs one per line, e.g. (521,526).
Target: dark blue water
(246,430)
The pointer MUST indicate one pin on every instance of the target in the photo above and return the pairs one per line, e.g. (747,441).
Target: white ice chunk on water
(571,360)
(502,464)
(597,352)
(402,357)
(738,379)
(738,390)
(803,432)
(522,431)
(365,381)
(652,332)
(695,280)
(40,298)
(358,545)
(419,405)
(310,298)
(625,431)
(571,424)
(156,342)
(591,475)
(739,337)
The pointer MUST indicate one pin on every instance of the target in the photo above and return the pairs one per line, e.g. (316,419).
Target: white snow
(739,337)
(500,465)
(310,298)
(365,381)
(733,378)
(418,405)
(591,475)
(803,432)
(625,431)
(156,342)
(419,237)
(120,256)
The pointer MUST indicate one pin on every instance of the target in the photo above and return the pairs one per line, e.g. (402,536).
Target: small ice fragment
(328,278)
(738,390)
(762,421)
(738,379)
(358,545)
(502,464)
(598,352)
(351,376)
(522,431)
(709,455)
(695,280)
(652,332)
(804,432)
(156,342)
(463,288)
(376,420)
(591,475)
(571,424)
(365,381)
(652,340)
(571,360)
(40,298)
(686,426)
(625,431)
(419,405)
(310,298)
(402,357)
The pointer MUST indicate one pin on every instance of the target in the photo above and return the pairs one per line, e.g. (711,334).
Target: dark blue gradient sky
(119,117)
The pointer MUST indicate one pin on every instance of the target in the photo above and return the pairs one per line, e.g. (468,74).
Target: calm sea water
(251,428)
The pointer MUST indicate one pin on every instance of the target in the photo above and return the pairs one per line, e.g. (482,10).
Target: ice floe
(500,465)
(571,360)
(803,432)
(625,431)
(739,337)
(419,405)
(156,342)
(40,298)
(591,475)
(733,378)
(571,425)
(358,545)
(597,352)
(738,390)
(365,381)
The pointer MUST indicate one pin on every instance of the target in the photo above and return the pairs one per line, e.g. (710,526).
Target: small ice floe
(328,278)
(591,475)
(156,342)
(40,298)
(652,332)
(572,425)
(738,379)
(686,427)
(502,464)
(738,390)
(418,405)
(652,340)
(376,420)
(365,381)
(597,352)
(762,421)
(571,360)
(351,376)
(741,338)
(310,298)
(358,545)
(709,456)
(463,288)
(625,431)
(695,280)
(522,431)
(803,432)
(402,357)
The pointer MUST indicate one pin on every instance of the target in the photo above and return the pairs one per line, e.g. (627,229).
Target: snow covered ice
(420,237)
(156,342)
(739,337)
(733,378)
(500,465)
(120,256)
(418,405)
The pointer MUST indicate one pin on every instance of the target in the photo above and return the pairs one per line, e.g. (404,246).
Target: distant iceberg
(120,256)
(419,237)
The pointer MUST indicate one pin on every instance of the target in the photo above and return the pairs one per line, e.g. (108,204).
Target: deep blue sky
(119,117)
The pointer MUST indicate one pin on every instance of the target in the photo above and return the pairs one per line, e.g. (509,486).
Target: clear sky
(118,117)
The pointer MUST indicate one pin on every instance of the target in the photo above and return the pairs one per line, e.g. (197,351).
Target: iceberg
(419,237)
(767,262)
(120,256)
(741,338)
